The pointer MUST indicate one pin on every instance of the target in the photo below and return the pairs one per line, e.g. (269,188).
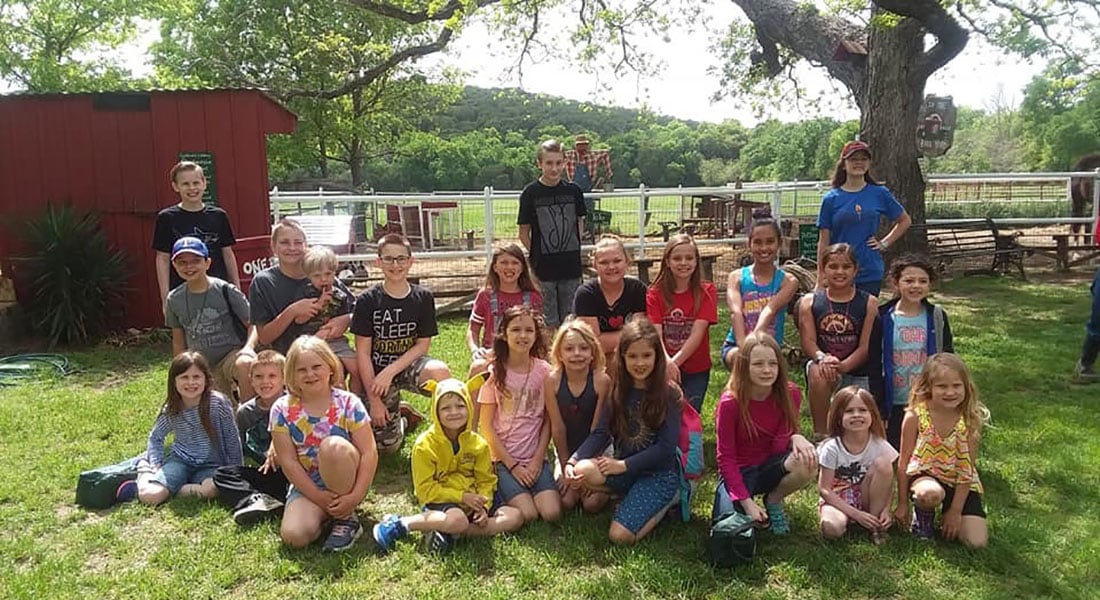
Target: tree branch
(396,12)
(951,38)
(377,71)
(805,31)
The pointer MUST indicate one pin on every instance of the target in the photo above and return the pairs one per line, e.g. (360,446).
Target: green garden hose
(22,367)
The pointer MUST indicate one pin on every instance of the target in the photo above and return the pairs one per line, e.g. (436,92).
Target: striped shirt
(946,458)
(191,444)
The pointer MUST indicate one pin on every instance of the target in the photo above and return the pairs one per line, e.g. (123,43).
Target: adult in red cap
(851,213)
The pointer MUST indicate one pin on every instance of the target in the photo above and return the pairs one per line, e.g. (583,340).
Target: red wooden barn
(111,152)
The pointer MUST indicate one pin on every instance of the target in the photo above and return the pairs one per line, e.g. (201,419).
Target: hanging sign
(936,128)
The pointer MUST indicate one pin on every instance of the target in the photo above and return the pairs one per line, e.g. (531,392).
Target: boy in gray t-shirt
(210,316)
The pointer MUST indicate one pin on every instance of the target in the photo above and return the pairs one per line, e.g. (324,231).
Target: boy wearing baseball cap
(210,316)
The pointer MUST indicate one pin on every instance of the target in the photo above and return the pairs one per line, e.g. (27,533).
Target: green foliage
(305,52)
(1060,115)
(68,45)
(76,277)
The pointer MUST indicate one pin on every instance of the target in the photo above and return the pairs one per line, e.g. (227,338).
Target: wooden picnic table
(706,263)
(1062,249)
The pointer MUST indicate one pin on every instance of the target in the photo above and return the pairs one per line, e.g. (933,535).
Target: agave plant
(76,277)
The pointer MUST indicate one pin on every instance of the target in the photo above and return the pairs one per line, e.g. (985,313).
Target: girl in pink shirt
(759,449)
(513,417)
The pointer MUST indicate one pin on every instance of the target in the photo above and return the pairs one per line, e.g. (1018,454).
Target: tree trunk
(355,144)
(890,107)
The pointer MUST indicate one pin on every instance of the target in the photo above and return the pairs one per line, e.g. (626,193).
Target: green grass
(1039,463)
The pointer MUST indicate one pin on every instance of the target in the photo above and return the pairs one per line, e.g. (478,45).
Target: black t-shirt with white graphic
(211,225)
(393,324)
(553,212)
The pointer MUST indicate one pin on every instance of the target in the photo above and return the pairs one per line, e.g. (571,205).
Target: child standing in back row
(190,217)
(683,307)
(912,330)
(939,454)
(551,222)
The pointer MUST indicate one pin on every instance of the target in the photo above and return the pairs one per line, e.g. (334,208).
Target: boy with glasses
(394,323)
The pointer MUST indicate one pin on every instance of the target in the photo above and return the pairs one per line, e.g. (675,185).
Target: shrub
(76,277)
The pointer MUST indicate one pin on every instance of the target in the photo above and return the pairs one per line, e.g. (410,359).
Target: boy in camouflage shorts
(394,323)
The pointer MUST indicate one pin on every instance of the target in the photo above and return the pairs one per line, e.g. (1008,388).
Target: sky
(683,87)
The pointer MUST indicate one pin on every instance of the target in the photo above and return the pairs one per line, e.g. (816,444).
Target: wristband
(820,356)
(883,243)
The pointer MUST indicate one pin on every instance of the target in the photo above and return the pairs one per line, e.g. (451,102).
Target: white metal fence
(454,232)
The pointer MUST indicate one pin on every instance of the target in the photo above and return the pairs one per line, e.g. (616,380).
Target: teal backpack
(732,540)
(96,489)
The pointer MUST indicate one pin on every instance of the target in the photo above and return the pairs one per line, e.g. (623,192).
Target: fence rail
(455,230)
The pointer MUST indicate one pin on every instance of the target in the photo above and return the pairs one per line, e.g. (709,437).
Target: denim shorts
(557,299)
(174,474)
(509,487)
(294,493)
(862,382)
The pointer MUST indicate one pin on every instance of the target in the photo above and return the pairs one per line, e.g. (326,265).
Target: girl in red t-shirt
(683,307)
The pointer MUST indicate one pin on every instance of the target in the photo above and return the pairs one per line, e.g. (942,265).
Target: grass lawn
(1038,462)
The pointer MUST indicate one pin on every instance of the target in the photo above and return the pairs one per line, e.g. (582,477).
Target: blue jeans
(1092,328)
(695,388)
(557,300)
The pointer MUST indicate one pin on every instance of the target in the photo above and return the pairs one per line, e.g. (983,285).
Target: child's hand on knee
(474,501)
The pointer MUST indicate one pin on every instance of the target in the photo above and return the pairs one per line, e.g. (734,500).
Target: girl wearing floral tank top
(939,448)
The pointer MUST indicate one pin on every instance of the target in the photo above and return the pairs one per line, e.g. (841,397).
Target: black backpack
(732,540)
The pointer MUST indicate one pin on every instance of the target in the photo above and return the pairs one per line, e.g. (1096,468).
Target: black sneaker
(439,542)
(260,506)
(343,535)
(1086,374)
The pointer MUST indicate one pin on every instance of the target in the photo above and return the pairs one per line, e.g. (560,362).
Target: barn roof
(266,93)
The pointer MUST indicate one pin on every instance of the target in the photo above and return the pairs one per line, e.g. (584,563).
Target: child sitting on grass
(453,478)
(205,436)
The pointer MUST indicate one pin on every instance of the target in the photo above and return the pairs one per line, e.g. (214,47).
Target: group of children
(610,394)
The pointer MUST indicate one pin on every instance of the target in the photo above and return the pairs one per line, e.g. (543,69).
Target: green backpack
(96,488)
(732,540)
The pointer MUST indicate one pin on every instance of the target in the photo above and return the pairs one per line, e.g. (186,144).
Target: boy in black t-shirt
(193,218)
(551,221)
(394,323)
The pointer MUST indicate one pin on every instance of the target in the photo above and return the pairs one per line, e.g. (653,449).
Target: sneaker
(127,491)
(777,519)
(439,542)
(1086,374)
(343,535)
(923,527)
(388,531)
(878,538)
(411,415)
(260,506)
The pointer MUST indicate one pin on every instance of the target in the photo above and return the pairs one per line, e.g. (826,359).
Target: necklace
(521,399)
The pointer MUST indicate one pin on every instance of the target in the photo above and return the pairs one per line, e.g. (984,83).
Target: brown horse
(1081,190)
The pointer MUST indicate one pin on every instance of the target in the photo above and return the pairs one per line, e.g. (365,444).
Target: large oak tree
(890,48)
